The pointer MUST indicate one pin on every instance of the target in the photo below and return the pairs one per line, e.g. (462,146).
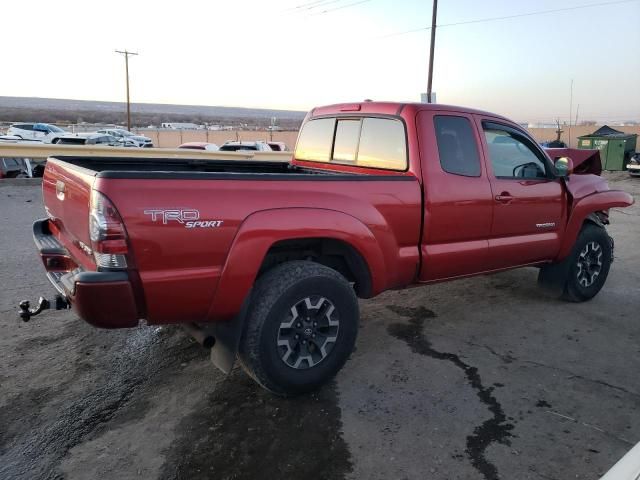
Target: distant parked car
(211,147)
(633,167)
(244,146)
(121,134)
(43,132)
(95,139)
(554,144)
(278,146)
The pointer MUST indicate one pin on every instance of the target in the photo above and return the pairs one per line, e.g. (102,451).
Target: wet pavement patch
(242,431)
(494,429)
(33,446)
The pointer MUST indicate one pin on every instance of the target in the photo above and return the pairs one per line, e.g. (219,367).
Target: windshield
(235,148)
(124,133)
(53,128)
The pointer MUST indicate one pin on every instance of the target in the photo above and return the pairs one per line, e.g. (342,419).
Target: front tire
(589,264)
(300,329)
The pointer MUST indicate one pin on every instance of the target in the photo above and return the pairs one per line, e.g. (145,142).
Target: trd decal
(188,217)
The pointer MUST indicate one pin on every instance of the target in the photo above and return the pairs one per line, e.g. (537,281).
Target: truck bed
(119,167)
(235,202)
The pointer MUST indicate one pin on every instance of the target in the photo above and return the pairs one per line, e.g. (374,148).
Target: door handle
(504,197)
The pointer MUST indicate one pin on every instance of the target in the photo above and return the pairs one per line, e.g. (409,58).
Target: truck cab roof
(391,108)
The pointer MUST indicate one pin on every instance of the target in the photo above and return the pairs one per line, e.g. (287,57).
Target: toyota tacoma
(264,262)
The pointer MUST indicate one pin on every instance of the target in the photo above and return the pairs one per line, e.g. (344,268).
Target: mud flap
(553,277)
(228,335)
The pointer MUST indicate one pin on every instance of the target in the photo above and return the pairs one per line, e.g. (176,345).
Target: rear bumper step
(103,299)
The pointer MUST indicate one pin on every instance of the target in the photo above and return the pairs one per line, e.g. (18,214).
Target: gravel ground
(482,378)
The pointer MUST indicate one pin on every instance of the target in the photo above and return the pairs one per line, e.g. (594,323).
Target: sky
(297,54)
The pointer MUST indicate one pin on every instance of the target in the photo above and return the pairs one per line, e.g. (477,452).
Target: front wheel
(300,328)
(589,264)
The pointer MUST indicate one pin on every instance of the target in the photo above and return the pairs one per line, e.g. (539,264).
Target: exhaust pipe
(199,335)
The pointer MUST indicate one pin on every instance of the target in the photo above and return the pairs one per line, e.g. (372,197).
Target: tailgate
(66,190)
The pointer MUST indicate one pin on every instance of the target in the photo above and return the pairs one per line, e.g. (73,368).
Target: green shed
(615,147)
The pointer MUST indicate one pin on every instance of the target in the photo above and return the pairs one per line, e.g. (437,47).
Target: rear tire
(300,329)
(589,264)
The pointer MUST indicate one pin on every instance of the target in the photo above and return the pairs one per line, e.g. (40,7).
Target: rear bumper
(103,299)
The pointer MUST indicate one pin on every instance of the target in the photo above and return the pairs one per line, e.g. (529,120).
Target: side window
(457,146)
(315,140)
(510,154)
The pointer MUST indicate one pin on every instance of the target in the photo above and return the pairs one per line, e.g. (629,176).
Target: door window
(511,154)
(457,146)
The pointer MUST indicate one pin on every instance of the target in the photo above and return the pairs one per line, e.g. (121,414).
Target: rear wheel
(589,264)
(300,328)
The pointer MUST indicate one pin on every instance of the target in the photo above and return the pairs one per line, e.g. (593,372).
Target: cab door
(457,196)
(529,202)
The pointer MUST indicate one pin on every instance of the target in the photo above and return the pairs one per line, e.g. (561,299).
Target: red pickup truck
(264,261)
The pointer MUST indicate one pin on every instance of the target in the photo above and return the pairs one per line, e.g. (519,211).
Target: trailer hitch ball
(26,312)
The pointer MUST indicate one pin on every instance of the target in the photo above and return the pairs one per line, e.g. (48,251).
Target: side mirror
(564,166)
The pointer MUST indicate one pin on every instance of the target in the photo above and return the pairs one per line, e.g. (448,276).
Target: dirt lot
(481,378)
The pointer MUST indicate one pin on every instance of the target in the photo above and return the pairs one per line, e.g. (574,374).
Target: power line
(304,5)
(310,6)
(508,17)
(341,7)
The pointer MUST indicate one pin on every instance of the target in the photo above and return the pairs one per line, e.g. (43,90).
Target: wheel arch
(268,237)
(328,251)
(585,211)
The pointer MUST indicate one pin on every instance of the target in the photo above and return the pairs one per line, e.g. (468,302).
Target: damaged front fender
(582,209)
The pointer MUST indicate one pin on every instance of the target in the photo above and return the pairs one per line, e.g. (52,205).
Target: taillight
(108,236)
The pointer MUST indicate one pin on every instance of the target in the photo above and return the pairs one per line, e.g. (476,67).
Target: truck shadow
(243,431)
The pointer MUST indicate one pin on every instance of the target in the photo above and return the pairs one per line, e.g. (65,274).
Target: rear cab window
(371,142)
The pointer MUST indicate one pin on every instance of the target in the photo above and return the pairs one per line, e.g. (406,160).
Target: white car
(633,167)
(211,147)
(126,136)
(42,132)
(245,146)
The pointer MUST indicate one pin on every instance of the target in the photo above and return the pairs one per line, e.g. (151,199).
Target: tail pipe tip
(200,335)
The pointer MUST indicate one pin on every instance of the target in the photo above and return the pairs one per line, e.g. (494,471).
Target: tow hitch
(26,312)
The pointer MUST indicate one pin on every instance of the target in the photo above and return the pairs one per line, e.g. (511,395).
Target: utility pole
(570,111)
(126,54)
(431,49)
